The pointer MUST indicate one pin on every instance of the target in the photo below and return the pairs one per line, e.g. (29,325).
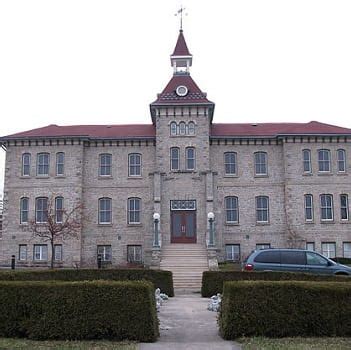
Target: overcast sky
(102,62)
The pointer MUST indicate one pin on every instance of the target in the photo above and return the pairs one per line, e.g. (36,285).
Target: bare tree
(295,240)
(55,224)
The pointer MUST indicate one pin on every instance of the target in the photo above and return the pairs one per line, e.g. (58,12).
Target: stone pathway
(185,323)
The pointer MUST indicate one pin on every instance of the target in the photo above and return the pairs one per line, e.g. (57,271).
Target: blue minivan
(293,260)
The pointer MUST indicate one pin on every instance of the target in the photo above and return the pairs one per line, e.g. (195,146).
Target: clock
(181,90)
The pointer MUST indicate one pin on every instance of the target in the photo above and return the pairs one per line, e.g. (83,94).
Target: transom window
(134,207)
(59,210)
(344,207)
(22,253)
(174,158)
(40,252)
(182,128)
(41,210)
(105,161)
(60,164)
(261,163)
(24,209)
(341,160)
(308,207)
(307,166)
(105,252)
(190,158)
(105,211)
(329,249)
(134,254)
(230,163)
(231,209)
(43,161)
(262,209)
(26,164)
(326,207)
(323,160)
(232,252)
(134,160)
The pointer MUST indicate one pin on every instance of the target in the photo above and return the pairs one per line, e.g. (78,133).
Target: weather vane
(180,13)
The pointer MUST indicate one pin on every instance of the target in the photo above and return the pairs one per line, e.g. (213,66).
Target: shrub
(160,279)
(346,261)
(285,309)
(78,310)
(212,281)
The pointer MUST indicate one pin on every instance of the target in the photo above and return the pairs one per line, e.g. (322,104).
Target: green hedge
(212,281)
(160,279)
(78,310)
(342,260)
(285,309)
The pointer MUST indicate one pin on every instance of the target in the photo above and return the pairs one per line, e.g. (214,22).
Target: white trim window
(261,163)
(308,207)
(59,210)
(307,165)
(134,254)
(310,246)
(174,159)
(43,164)
(262,209)
(26,164)
(191,128)
(341,160)
(41,210)
(329,249)
(231,210)
(260,246)
(344,207)
(230,163)
(346,247)
(327,212)
(134,209)
(190,158)
(232,252)
(173,128)
(24,210)
(105,210)
(58,252)
(105,251)
(22,252)
(323,160)
(40,252)
(134,164)
(60,164)
(182,128)
(105,164)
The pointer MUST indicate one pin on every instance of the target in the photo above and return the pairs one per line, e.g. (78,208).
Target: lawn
(295,343)
(9,343)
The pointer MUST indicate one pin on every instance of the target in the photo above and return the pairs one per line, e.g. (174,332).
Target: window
(261,163)
(190,158)
(263,246)
(58,252)
(43,161)
(262,209)
(105,160)
(326,207)
(268,256)
(324,160)
(24,208)
(344,207)
(293,257)
(60,164)
(341,160)
(191,128)
(105,210)
(173,128)
(105,251)
(315,259)
(231,210)
(182,128)
(232,252)
(308,207)
(134,160)
(310,246)
(134,254)
(346,247)
(328,249)
(230,163)
(22,252)
(59,210)
(41,210)
(26,164)
(40,252)
(307,166)
(174,158)
(134,210)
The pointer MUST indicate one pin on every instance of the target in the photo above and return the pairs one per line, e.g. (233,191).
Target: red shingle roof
(181,49)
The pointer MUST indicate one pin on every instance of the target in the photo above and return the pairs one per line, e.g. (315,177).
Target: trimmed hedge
(212,281)
(78,310)
(160,279)
(285,309)
(341,260)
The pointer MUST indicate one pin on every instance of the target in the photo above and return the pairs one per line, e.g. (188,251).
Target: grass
(259,343)
(10,343)
(229,266)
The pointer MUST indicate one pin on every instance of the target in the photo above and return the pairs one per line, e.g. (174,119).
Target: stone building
(181,184)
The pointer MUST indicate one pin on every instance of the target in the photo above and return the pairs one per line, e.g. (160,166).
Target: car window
(268,256)
(293,257)
(315,259)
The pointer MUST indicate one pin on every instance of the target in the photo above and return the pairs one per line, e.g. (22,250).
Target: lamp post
(156,218)
(211,218)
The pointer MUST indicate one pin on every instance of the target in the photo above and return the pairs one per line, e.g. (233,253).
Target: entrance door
(183,226)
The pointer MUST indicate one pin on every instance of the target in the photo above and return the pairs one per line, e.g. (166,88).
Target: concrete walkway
(185,323)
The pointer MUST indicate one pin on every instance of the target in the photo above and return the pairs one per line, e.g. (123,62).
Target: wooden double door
(183,226)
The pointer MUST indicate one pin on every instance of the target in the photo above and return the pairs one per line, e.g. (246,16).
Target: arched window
(60,164)
(105,210)
(26,164)
(191,128)
(262,209)
(134,208)
(341,160)
(190,158)
(24,209)
(231,210)
(308,207)
(327,211)
(134,160)
(261,163)
(43,162)
(105,164)
(174,158)
(307,166)
(59,210)
(230,163)
(324,160)
(173,128)
(182,128)
(41,210)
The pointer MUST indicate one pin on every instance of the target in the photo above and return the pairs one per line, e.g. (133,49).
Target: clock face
(181,90)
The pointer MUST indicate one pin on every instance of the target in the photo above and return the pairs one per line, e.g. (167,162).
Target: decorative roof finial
(180,13)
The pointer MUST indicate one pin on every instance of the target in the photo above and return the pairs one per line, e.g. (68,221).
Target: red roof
(181,49)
